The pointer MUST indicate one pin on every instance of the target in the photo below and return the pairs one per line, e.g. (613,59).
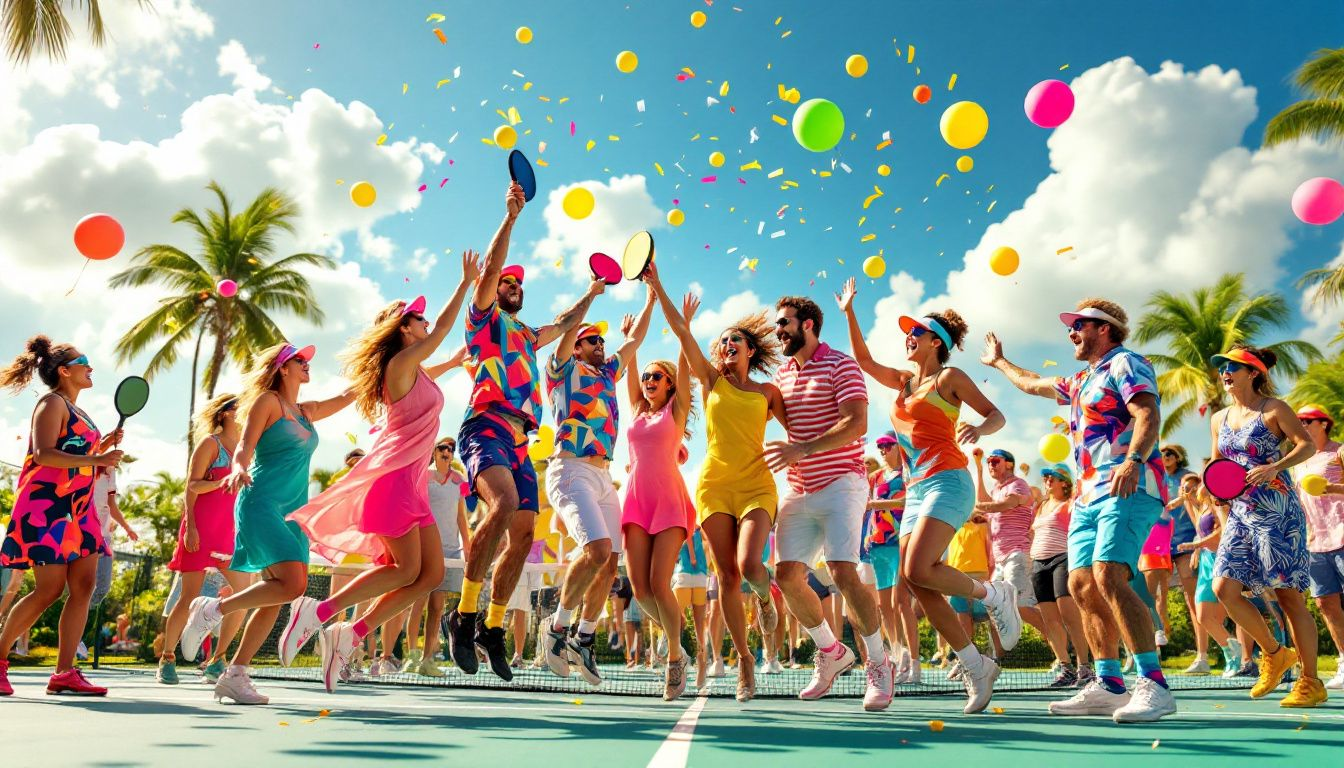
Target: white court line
(676,748)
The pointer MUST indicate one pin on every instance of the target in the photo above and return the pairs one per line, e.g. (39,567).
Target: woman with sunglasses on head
(1324,508)
(54,529)
(1050,576)
(882,527)
(205,536)
(736,499)
(939,493)
(381,509)
(269,473)
(1264,542)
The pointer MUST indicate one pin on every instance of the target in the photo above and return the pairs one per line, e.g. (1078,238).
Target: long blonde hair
(208,417)
(669,370)
(366,358)
(262,377)
(760,332)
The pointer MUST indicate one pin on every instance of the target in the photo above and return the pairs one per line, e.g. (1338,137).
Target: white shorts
(585,499)
(829,521)
(1015,568)
(521,599)
(690,581)
(867,575)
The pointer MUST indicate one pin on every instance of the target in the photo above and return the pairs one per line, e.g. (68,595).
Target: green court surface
(143,723)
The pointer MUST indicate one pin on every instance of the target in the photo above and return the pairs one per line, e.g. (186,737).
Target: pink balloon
(227,288)
(1049,103)
(1319,201)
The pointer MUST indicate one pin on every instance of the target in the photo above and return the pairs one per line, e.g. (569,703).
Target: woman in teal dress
(270,474)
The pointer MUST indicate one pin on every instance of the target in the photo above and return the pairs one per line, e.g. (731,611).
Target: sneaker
(352,673)
(73,683)
(1093,699)
(767,615)
(214,670)
(5,688)
(1085,675)
(236,686)
(462,641)
(1159,638)
(956,672)
(1065,678)
(582,655)
(491,641)
(556,648)
(1249,669)
(1307,692)
(826,667)
(376,668)
(1336,683)
(674,682)
(1198,667)
(429,668)
(1129,664)
(1150,702)
(412,662)
(881,679)
(773,667)
(167,674)
(1007,618)
(716,668)
(980,682)
(614,641)
(1273,666)
(203,618)
(299,629)
(937,659)
(338,646)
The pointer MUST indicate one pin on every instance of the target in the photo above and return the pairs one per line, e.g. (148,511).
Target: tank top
(926,432)
(1050,530)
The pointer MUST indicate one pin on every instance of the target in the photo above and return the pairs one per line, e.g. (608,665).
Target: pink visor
(416,306)
(290,352)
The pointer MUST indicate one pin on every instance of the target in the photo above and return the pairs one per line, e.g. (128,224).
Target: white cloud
(430,152)
(107,94)
(422,262)
(234,62)
(708,322)
(376,247)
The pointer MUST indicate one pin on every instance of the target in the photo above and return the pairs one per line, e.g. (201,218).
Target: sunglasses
(735,338)
(1081,323)
(654,376)
(300,359)
(994,460)
(596,341)
(1230,367)
(81,360)
(447,448)
(1309,421)
(415,316)
(509,280)
(917,331)
(780,322)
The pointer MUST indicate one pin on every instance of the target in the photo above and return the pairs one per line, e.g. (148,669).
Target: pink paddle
(1225,479)
(605,267)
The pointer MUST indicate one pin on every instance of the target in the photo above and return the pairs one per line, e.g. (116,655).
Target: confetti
(709,179)
(577,702)
(1064,250)
(613,137)
(441,183)
(658,168)
(443,82)
(754,165)
(754,136)
(380,140)
(323,712)
(869,200)
(423,187)
(571,127)
(883,145)
(590,145)
(436,18)
(940,180)
(867,238)
(1156,742)
(404,88)
(952,81)
(443,39)
(774,235)
(779,120)
(639,105)
(760,227)
(910,59)
(775,173)
(284,723)
(723,89)
(1066,66)
(991,206)
(1050,364)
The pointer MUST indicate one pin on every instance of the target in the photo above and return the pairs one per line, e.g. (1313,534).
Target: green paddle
(132,394)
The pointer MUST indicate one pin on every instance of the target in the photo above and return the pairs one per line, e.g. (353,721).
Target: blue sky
(365,52)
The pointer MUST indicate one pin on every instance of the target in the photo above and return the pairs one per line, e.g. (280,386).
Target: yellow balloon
(716,159)
(626,61)
(884,170)
(523,35)
(856,65)
(965,163)
(698,19)
(1004,261)
(1054,448)
(505,137)
(874,267)
(675,217)
(578,203)
(1314,485)
(363,194)
(538,451)
(964,124)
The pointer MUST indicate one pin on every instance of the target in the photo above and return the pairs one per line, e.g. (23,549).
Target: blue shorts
(633,615)
(967,605)
(1111,530)
(485,442)
(948,496)
(1204,584)
(1326,570)
(886,560)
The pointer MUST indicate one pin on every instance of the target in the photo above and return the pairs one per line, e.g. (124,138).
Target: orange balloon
(98,236)
(923,93)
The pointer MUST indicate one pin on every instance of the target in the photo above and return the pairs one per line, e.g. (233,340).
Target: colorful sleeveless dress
(214,522)
(280,465)
(1264,544)
(936,480)
(734,478)
(387,493)
(54,522)
(655,493)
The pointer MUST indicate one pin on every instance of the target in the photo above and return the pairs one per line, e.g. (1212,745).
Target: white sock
(874,645)
(993,598)
(562,617)
(822,635)
(970,658)
(587,627)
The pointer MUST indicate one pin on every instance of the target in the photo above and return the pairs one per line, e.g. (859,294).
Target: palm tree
(1198,326)
(1323,384)
(1328,282)
(1321,114)
(41,25)
(238,247)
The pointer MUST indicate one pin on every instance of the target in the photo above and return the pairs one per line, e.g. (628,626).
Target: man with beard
(505,406)
(826,402)
(1113,420)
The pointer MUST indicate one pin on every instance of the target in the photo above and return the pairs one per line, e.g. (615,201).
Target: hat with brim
(416,306)
(1090,313)
(886,440)
(513,270)
(592,329)
(930,324)
(1002,454)
(1058,471)
(1242,356)
(1313,411)
(290,352)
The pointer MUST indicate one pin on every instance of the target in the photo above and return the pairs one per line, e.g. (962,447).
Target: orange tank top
(926,432)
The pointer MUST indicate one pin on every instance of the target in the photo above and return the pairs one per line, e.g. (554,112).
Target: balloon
(923,93)
(716,159)
(505,137)
(1004,262)
(363,194)
(874,267)
(965,163)
(818,125)
(1319,200)
(523,35)
(227,288)
(856,65)
(578,203)
(1054,448)
(98,236)
(626,61)
(675,217)
(1314,485)
(964,124)
(538,451)
(1049,103)
(884,170)
(698,19)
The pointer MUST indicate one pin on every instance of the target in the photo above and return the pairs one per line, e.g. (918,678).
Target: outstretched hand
(690,303)
(845,298)
(471,265)
(627,325)
(993,350)
(515,200)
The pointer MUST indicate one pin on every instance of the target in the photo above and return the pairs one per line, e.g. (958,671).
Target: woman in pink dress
(657,515)
(381,508)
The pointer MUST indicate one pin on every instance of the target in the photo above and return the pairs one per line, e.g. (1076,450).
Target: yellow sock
(471,596)
(494,617)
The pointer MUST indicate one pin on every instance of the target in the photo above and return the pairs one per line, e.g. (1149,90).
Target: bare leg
(255,632)
(433,620)
(1303,627)
(1054,633)
(1157,586)
(931,580)
(722,536)
(1073,623)
(232,622)
(1244,613)
(1135,620)
(1333,614)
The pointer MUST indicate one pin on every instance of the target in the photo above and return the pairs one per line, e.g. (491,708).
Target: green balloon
(818,125)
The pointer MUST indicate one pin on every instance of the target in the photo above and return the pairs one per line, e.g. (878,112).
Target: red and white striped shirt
(812,397)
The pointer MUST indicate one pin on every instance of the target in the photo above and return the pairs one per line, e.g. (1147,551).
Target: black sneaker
(461,641)
(583,655)
(1067,678)
(491,640)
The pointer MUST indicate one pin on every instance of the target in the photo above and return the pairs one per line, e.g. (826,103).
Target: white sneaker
(1198,667)
(556,649)
(338,648)
(1093,699)
(1336,683)
(980,683)
(957,670)
(1159,638)
(1007,618)
(773,667)
(716,669)
(827,667)
(1149,703)
(201,621)
(880,674)
(236,686)
(914,675)
(299,628)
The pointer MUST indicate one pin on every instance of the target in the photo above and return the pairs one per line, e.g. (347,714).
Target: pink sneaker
(828,666)
(5,688)
(880,676)
(73,683)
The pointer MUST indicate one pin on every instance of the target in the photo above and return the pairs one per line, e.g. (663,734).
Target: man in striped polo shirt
(826,403)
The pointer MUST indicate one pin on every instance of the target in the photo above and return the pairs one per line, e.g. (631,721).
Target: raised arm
(405,362)
(633,386)
(681,327)
(1027,381)
(981,491)
(456,360)
(566,325)
(641,329)
(891,378)
(317,410)
(683,404)
(486,288)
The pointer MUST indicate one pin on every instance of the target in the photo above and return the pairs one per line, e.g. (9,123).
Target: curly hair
(367,355)
(208,417)
(669,370)
(1118,333)
(759,330)
(40,356)
(262,377)
(955,326)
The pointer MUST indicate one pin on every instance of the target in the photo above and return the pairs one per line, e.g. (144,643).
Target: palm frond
(1329,284)
(1319,118)
(1175,418)
(33,25)
(1322,75)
